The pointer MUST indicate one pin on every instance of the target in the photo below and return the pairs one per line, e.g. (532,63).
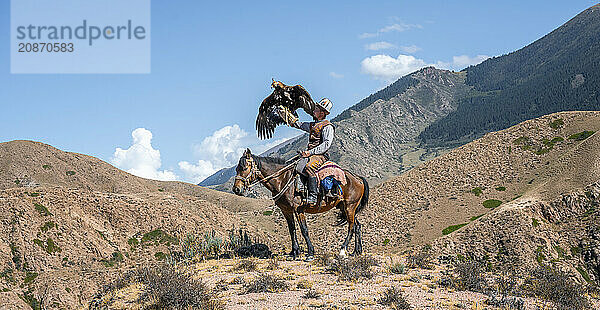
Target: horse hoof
(309,258)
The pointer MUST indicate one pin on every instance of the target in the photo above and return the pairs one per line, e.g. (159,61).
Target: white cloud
(461,62)
(336,75)
(410,49)
(220,150)
(141,158)
(388,68)
(397,27)
(379,46)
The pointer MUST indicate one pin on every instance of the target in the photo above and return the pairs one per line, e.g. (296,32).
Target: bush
(477,191)
(556,286)
(492,203)
(452,228)
(396,268)
(500,188)
(41,209)
(70,173)
(312,294)
(166,287)
(324,259)
(393,298)
(266,283)
(157,237)
(581,135)
(352,269)
(245,265)
(557,123)
(468,275)
(422,259)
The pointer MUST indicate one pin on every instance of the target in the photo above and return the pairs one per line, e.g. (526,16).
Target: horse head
(246,173)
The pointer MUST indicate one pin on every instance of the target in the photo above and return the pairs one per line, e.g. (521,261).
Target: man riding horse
(277,175)
(321,133)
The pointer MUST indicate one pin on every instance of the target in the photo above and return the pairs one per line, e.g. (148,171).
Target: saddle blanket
(330,168)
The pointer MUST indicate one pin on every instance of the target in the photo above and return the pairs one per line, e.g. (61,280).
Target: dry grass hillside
(69,222)
(525,195)
(538,155)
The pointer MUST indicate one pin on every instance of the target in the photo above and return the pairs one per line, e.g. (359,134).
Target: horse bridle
(247,181)
(254,171)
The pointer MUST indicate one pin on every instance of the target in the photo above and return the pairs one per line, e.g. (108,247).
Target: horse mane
(268,160)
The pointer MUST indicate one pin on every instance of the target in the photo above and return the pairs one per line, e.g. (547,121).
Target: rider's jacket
(320,136)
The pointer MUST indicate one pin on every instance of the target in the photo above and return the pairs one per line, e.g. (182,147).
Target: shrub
(114,259)
(352,269)
(500,188)
(581,135)
(522,140)
(70,173)
(324,259)
(245,265)
(477,191)
(268,212)
(47,226)
(557,123)
(393,298)
(304,284)
(556,286)
(273,264)
(422,259)
(34,194)
(46,166)
(157,237)
(133,241)
(266,283)
(29,277)
(42,210)
(452,228)
(492,203)
(397,268)
(166,287)
(49,246)
(312,294)
(468,274)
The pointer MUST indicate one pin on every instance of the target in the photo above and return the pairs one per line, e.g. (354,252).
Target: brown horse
(278,177)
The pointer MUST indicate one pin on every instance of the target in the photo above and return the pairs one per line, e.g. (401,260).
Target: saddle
(330,178)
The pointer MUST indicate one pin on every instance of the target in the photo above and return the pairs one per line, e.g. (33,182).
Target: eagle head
(277,84)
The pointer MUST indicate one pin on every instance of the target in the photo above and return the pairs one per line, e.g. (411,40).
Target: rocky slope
(379,140)
(69,222)
(76,230)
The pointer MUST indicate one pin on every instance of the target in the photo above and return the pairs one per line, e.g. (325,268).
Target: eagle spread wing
(286,99)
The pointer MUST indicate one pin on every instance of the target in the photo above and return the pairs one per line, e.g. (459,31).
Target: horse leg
(304,229)
(289,217)
(357,238)
(350,218)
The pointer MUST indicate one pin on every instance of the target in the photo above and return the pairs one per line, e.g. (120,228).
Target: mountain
(68,220)
(376,138)
(559,72)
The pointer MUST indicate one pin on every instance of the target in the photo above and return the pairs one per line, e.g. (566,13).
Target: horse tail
(364,200)
(365,197)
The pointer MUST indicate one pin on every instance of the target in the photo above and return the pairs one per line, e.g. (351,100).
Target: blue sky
(212,65)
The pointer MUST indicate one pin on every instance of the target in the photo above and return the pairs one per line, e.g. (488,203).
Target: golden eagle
(284,100)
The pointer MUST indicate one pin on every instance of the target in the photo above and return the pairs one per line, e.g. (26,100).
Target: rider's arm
(327,140)
(302,125)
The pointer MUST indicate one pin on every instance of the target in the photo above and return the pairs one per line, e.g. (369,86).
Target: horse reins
(254,171)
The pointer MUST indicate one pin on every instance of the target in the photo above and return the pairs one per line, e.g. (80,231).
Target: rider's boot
(311,200)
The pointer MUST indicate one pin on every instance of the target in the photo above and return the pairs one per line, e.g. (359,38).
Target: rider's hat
(325,104)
